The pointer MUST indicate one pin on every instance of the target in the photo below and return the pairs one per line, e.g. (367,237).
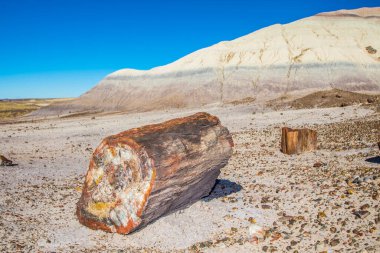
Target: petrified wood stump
(5,161)
(296,141)
(138,175)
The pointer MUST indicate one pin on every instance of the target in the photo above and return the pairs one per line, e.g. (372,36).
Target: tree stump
(296,141)
(136,176)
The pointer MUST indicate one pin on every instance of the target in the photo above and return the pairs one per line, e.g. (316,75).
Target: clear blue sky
(62,48)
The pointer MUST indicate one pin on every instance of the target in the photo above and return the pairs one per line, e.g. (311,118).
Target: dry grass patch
(13,108)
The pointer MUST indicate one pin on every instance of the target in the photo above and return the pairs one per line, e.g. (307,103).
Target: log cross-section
(296,141)
(136,176)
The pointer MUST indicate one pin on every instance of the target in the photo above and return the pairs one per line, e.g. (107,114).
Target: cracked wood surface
(296,141)
(144,173)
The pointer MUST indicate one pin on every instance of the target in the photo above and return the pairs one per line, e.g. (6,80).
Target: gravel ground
(322,201)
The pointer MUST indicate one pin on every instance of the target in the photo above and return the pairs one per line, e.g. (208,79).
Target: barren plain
(322,201)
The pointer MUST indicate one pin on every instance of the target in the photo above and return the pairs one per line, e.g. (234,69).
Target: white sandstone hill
(330,50)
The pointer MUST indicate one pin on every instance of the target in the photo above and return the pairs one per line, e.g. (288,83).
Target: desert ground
(321,201)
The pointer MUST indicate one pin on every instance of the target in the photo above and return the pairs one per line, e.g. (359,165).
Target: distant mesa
(330,50)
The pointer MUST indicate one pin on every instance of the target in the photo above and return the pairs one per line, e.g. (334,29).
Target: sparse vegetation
(246,100)
(327,98)
(13,108)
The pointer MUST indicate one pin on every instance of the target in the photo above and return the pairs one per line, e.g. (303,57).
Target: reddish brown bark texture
(296,141)
(138,175)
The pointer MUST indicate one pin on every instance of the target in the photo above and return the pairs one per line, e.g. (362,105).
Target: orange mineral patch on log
(115,202)
(140,174)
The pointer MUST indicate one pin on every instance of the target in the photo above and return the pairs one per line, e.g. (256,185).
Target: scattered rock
(357,232)
(290,185)
(252,220)
(368,179)
(357,180)
(5,161)
(319,246)
(318,164)
(370,100)
(334,242)
(364,207)
(371,50)
(361,214)
(321,215)
(266,207)
(256,232)
(275,236)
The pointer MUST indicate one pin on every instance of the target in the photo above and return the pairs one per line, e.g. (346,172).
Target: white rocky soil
(327,200)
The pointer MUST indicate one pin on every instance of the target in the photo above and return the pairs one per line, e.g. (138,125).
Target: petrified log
(5,161)
(138,175)
(296,141)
